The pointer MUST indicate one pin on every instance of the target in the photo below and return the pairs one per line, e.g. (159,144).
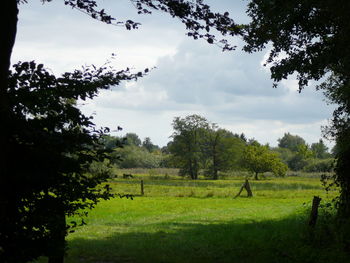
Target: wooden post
(314,211)
(142,192)
(245,186)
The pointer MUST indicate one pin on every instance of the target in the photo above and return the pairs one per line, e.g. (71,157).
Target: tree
(301,158)
(310,39)
(148,145)
(131,156)
(111,142)
(259,159)
(291,142)
(222,149)
(320,150)
(319,166)
(55,146)
(132,139)
(186,147)
(284,153)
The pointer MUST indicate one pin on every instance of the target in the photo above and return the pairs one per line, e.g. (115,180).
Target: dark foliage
(311,39)
(195,15)
(52,148)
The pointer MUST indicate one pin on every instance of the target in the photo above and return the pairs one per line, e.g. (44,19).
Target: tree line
(198,146)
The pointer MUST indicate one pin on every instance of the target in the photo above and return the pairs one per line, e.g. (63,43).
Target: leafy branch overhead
(309,38)
(33,81)
(197,17)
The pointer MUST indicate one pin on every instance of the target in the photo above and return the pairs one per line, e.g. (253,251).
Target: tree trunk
(58,243)
(8,193)
(194,170)
(256,176)
(215,166)
(215,174)
(8,30)
(215,158)
(245,186)
(342,174)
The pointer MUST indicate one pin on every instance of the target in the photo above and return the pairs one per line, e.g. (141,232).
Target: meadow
(179,220)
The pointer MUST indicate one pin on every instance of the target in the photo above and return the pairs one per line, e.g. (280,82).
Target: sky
(232,89)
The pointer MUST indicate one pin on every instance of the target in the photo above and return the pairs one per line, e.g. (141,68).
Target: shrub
(319,165)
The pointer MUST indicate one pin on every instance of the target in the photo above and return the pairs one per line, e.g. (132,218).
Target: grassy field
(179,220)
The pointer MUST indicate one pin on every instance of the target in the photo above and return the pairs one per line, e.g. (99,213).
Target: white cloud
(231,89)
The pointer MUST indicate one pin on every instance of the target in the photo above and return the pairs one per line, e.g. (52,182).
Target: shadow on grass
(239,241)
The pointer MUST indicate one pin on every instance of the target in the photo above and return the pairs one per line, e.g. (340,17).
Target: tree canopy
(187,140)
(259,159)
(222,150)
(291,142)
(52,149)
(320,150)
(310,39)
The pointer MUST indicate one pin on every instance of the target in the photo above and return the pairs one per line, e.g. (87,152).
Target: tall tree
(132,139)
(320,150)
(300,158)
(222,149)
(187,143)
(148,145)
(291,142)
(310,39)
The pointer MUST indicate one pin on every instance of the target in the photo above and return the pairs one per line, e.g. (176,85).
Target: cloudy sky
(232,89)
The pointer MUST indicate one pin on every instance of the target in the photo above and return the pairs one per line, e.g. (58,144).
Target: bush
(298,163)
(319,165)
(136,157)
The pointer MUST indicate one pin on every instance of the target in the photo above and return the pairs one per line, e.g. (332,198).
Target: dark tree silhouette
(311,39)
(53,146)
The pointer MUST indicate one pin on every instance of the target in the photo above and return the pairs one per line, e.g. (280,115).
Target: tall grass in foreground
(180,220)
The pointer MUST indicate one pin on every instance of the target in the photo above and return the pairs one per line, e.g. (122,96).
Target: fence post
(142,192)
(314,211)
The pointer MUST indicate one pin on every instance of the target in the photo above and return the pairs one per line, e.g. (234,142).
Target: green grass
(270,187)
(199,221)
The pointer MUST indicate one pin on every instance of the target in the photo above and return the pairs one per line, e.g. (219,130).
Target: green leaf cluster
(54,148)
(200,145)
(260,159)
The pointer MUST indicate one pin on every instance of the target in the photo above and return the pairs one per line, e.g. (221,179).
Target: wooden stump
(245,186)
